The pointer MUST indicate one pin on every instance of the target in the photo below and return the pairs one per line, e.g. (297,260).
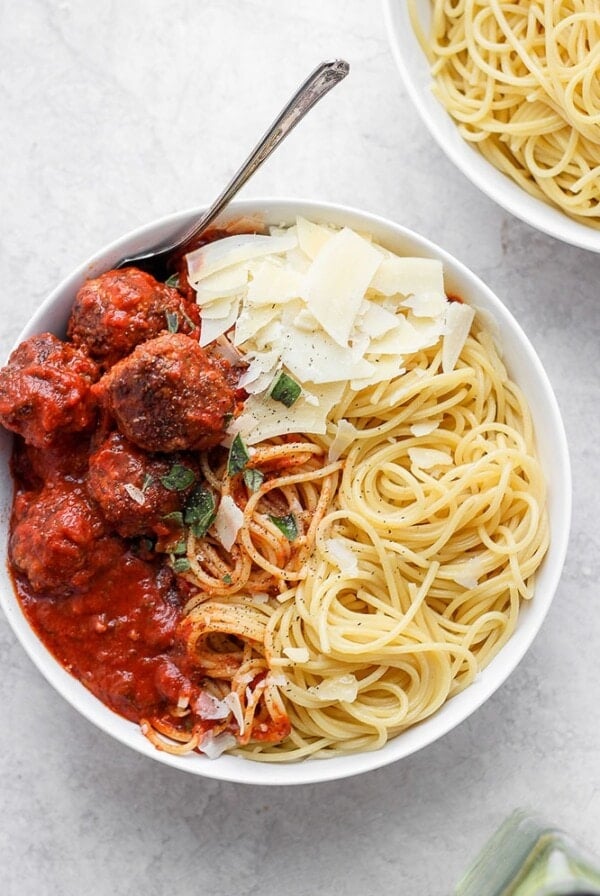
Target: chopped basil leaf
(172,321)
(238,456)
(173,281)
(178,478)
(200,511)
(253,479)
(175,518)
(286,390)
(187,318)
(179,548)
(181,564)
(227,579)
(286,524)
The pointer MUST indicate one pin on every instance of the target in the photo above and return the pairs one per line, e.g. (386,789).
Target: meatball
(59,540)
(135,490)
(45,390)
(168,396)
(66,457)
(120,309)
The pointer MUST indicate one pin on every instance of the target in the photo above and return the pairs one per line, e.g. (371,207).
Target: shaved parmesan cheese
(344,689)
(337,281)
(135,493)
(214,746)
(458,320)
(297,654)
(408,276)
(222,285)
(231,250)
(342,555)
(279,679)
(312,237)
(468,573)
(384,368)
(375,320)
(209,707)
(263,418)
(272,283)
(426,458)
(259,364)
(212,328)
(232,700)
(425,428)
(345,434)
(228,522)
(426,304)
(326,306)
(220,308)
(252,320)
(318,359)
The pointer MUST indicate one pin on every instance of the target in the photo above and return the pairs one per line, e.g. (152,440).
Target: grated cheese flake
(228,522)
(297,654)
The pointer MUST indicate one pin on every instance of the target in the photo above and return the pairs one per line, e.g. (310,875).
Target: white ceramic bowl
(415,73)
(525,369)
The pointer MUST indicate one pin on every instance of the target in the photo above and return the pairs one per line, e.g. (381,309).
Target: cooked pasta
(422,557)
(522,81)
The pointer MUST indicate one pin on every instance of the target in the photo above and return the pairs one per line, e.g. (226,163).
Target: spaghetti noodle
(522,82)
(422,556)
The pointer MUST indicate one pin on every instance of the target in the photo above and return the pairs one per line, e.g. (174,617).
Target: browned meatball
(120,309)
(45,390)
(168,396)
(65,457)
(134,490)
(59,540)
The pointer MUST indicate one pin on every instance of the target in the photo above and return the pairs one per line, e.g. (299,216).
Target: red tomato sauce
(118,637)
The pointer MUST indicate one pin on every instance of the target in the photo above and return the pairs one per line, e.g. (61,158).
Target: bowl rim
(486,177)
(239,769)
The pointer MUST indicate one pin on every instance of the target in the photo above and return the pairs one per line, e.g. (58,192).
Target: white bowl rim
(454,711)
(496,185)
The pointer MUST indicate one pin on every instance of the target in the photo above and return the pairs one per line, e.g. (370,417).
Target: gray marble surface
(114,113)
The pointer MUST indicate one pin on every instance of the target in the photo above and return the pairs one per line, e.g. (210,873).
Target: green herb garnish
(253,479)
(172,321)
(238,456)
(173,281)
(148,480)
(178,478)
(181,564)
(187,318)
(200,511)
(286,524)
(174,519)
(179,548)
(286,390)
(227,579)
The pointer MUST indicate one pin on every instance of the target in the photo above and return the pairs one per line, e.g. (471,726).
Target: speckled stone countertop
(117,113)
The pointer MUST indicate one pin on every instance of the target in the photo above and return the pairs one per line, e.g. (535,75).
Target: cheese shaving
(214,746)
(345,434)
(327,306)
(344,689)
(342,555)
(297,654)
(427,458)
(228,522)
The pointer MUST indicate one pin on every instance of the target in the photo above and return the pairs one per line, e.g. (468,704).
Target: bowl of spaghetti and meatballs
(128,494)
